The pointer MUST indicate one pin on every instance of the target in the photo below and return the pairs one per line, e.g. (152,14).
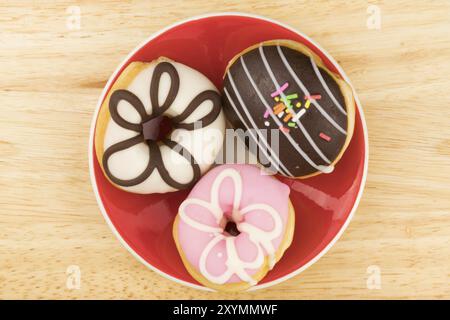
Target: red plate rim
(118,70)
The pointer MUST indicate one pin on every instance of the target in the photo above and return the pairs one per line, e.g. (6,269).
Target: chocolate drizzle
(158,109)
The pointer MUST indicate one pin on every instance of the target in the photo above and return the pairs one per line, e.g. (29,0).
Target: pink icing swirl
(257,203)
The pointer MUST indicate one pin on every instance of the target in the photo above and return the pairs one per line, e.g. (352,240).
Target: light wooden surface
(51,78)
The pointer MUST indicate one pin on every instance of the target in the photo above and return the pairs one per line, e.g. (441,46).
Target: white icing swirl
(260,238)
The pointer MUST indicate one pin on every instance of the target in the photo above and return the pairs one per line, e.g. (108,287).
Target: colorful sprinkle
(299,115)
(307,104)
(266,114)
(266,123)
(278,108)
(298,104)
(277,99)
(281,114)
(287,117)
(280,90)
(284,129)
(291,124)
(292,96)
(313,97)
(325,137)
(287,102)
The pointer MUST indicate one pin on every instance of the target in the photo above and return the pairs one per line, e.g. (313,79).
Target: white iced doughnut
(128,144)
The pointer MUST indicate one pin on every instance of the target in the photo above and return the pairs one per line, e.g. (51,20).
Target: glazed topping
(148,128)
(275,87)
(261,238)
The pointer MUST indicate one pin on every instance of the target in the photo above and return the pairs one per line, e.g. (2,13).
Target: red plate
(324,204)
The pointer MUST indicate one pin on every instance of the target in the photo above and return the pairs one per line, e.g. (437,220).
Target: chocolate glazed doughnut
(282,85)
(138,127)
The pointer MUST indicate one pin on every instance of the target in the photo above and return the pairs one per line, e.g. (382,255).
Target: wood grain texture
(51,80)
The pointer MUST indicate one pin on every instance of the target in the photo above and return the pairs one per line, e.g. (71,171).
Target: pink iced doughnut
(234,226)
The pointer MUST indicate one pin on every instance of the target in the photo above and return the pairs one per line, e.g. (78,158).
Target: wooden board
(52,76)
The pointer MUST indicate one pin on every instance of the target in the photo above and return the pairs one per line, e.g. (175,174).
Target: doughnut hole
(157,128)
(230,224)
(231,229)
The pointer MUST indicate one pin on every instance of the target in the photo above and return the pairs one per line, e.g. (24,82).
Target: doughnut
(159,128)
(229,232)
(299,114)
